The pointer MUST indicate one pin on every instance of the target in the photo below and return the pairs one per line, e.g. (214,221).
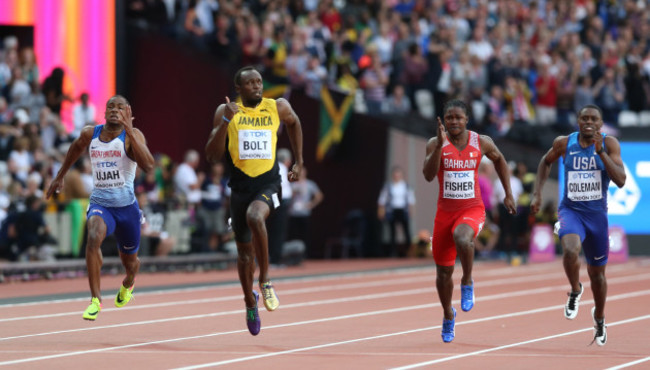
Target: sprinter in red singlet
(454,156)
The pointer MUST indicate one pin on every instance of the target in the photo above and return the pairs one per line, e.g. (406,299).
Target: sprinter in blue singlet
(115,149)
(591,159)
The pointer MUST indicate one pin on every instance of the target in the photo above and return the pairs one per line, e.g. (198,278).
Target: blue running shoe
(253,318)
(448,332)
(467,296)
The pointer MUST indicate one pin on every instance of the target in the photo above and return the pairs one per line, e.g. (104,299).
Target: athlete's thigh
(474,218)
(596,243)
(102,213)
(442,242)
(127,230)
(239,202)
(571,222)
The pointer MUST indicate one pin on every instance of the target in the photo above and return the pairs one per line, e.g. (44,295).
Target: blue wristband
(225,119)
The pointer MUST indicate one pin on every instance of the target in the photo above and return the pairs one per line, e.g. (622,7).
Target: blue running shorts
(593,229)
(123,221)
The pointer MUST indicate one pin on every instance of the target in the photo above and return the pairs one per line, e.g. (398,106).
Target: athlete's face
(115,106)
(589,122)
(250,88)
(455,120)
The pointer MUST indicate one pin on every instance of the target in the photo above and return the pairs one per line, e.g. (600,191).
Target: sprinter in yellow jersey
(247,132)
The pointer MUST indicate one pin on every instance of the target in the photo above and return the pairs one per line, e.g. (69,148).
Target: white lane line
(315,289)
(498,296)
(328,319)
(430,271)
(283,280)
(433,362)
(491,318)
(322,288)
(628,364)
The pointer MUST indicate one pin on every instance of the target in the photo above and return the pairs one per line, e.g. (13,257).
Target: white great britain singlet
(113,171)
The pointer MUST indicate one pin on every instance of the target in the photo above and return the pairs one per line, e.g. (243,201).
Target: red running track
(361,314)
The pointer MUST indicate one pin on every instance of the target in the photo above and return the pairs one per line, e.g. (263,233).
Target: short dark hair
(120,96)
(455,103)
(594,106)
(240,72)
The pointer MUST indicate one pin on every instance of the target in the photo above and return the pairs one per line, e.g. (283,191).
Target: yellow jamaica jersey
(252,141)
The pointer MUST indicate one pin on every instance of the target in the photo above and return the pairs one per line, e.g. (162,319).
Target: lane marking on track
(498,296)
(331,287)
(256,357)
(322,320)
(433,362)
(430,271)
(628,364)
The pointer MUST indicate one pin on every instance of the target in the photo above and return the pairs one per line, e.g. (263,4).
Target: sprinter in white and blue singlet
(590,160)
(115,149)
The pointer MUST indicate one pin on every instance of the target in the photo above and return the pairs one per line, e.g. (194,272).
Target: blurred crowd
(516,63)
(525,62)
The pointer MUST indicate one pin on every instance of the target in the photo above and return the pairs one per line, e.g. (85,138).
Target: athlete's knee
(245,253)
(597,276)
(444,273)
(462,238)
(571,250)
(131,263)
(254,218)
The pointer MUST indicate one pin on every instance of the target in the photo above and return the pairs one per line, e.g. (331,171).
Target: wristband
(225,119)
(602,149)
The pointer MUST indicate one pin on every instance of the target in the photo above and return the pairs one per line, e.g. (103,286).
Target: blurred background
(367,79)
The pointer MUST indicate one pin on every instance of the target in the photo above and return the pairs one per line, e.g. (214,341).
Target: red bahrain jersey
(458,175)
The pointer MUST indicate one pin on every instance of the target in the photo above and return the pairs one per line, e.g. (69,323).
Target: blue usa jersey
(585,179)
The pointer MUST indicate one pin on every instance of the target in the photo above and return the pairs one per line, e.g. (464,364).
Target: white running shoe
(600,330)
(572,304)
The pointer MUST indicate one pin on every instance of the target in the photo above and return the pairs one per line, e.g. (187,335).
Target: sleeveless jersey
(113,171)
(458,175)
(252,141)
(585,179)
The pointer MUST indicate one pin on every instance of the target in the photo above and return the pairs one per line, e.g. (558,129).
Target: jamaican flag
(274,90)
(335,111)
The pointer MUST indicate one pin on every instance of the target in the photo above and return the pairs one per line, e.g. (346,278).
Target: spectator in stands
(48,123)
(215,195)
(315,77)
(19,88)
(374,80)
(186,181)
(583,94)
(546,87)
(53,90)
(153,233)
(29,66)
(397,102)
(29,230)
(395,205)
(414,72)
(20,160)
(306,196)
(566,91)
(610,95)
(277,221)
(83,114)
(508,222)
(5,113)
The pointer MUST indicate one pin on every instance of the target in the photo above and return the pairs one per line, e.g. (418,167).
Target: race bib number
(583,186)
(458,185)
(255,144)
